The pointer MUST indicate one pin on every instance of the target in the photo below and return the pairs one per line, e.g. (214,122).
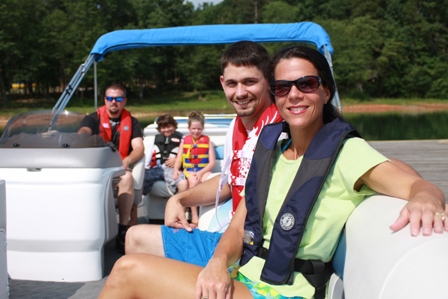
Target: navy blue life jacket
(290,223)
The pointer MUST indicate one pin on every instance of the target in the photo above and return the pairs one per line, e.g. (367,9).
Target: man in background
(115,124)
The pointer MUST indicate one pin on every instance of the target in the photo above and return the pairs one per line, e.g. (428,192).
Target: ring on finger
(204,297)
(441,215)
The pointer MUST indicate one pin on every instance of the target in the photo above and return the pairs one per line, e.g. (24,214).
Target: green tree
(19,48)
(279,12)
(383,48)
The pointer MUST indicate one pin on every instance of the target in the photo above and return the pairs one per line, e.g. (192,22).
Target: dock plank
(428,157)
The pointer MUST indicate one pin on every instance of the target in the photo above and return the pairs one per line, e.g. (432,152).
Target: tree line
(382,48)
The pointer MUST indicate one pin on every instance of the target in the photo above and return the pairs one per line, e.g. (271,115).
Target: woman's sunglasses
(305,84)
(117,99)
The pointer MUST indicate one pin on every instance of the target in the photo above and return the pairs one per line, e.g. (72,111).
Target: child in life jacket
(196,155)
(159,165)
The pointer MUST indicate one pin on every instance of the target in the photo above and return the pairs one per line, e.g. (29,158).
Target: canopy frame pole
(70,89)
(95,85)
(336,100)
(73,85)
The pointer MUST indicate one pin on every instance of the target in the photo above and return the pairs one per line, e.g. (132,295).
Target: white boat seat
(4,286)
(380,264)
(215,222)
(155,201)
(336,285)
(138,173)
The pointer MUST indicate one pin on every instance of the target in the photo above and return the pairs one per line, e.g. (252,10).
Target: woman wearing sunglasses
(298,196)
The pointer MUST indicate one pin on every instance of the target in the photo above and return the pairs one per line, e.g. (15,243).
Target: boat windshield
(44,129)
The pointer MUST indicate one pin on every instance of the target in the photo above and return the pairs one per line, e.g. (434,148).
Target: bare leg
(125,197)
(134,216)
(145,238)
(148,276)
(182,186)
(192,180)
(194,215)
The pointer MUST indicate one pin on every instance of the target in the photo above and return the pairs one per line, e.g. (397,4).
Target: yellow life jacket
(195,153)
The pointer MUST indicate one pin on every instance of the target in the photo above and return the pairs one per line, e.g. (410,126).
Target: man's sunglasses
(305,84)
(117,99)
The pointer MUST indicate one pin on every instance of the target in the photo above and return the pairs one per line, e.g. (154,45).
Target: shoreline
(356,108)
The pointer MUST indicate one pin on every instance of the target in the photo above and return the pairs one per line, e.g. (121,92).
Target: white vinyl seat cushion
(4,287)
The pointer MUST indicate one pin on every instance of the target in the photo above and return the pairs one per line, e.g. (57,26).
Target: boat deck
(428,157)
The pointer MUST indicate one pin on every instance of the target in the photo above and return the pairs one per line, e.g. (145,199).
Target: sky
(197,2)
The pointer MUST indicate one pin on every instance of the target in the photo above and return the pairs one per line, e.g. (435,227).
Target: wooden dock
(428,157)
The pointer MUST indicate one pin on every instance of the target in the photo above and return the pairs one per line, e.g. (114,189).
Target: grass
(174,102)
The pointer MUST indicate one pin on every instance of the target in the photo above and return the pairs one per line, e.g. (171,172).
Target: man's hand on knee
(175,214)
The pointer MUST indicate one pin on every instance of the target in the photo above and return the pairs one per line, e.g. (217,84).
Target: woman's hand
(425,213)
(426,207)
(214,281)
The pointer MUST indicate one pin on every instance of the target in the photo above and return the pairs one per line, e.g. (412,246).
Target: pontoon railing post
(95,85)
(336,101)
(74,83)
(71,88)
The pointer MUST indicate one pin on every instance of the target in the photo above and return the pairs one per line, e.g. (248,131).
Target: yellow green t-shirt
(335,203)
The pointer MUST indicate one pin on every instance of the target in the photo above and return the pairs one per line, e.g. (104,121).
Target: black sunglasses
(118,99)
(305,84)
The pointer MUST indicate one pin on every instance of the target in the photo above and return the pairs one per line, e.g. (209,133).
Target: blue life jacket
(290,223)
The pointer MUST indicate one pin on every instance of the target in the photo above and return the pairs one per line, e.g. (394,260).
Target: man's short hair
(246,53)
(116,86)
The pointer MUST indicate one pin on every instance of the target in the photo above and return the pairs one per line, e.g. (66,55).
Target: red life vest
(124,127)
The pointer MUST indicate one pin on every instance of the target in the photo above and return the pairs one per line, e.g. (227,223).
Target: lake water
(391,126)
(401,126)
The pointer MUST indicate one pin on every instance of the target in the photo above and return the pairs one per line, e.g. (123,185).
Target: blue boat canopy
(304,32)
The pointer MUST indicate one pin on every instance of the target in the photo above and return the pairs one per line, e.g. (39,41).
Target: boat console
(60,197)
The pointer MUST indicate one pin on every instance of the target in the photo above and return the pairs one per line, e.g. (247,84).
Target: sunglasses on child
(117,99)
(305,84)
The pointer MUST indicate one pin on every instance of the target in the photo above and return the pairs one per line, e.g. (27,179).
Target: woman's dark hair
(323,70)
(165,120)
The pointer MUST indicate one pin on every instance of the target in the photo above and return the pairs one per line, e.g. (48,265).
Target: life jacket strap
(316,272)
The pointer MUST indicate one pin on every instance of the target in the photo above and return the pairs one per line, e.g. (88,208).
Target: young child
(159,165)
(196,157)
